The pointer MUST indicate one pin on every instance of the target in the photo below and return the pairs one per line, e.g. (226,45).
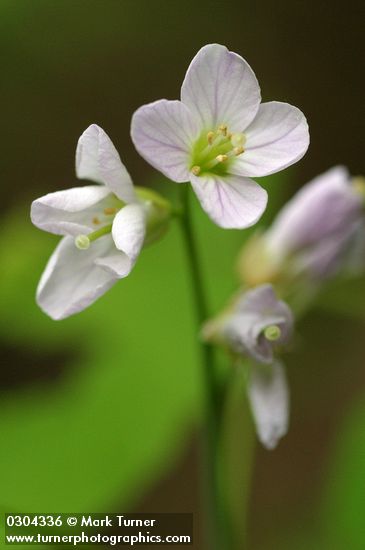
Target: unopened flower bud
(311,234)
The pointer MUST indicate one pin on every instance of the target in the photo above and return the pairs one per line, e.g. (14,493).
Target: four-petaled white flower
(253,327)
(219,136)
(104,228)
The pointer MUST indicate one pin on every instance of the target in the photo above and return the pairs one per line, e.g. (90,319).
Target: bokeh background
(102,411)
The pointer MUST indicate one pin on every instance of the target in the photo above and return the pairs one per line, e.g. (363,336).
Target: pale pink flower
(254,327)
(220,135)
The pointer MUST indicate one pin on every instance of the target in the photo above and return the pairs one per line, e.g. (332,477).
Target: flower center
(102,221)
(158,212)
(214,152)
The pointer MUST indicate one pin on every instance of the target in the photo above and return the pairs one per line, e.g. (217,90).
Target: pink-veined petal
(72,280)
(276,139)
(163,133)
(98,160)
(231,202)
(221,88)
(269,398)
(69,212)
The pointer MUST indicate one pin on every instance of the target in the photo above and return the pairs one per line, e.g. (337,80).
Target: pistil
(82,242)
(272,333)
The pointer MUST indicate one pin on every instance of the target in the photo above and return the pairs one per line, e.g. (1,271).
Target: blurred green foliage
(126,398)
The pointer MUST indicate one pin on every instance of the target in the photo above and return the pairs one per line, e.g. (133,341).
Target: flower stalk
(236,457)
(214,528)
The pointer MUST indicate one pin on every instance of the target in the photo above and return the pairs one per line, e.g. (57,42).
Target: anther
(238,150)
(272,333)
(210,137)
(221,158)
(82,242)
(196,170)
(96,221)
(109,211)
(222,129)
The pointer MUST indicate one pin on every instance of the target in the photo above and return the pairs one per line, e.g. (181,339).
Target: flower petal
(330,192)
(72,280)
(253,312)
(353,263)
(276,139)
(117,263)
(329,256)
(221,88)
(163,133)
(69,212)
(230,201)
(98,160)
(129,230)
(262,303)
(269,398)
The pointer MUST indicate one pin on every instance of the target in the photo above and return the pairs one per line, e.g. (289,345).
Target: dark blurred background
(67,64)
(70,63)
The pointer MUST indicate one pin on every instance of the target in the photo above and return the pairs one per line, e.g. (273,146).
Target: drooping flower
(254,327)
(312,234)
(104,228)
(219,136)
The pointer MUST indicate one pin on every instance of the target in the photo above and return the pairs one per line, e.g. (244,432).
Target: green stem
(212,407)
(236,458)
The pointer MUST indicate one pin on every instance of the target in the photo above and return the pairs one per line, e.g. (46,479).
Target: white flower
(104,228)
(253,327)
(219,136)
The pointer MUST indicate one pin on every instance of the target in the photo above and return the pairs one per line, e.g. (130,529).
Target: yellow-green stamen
(215,150)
